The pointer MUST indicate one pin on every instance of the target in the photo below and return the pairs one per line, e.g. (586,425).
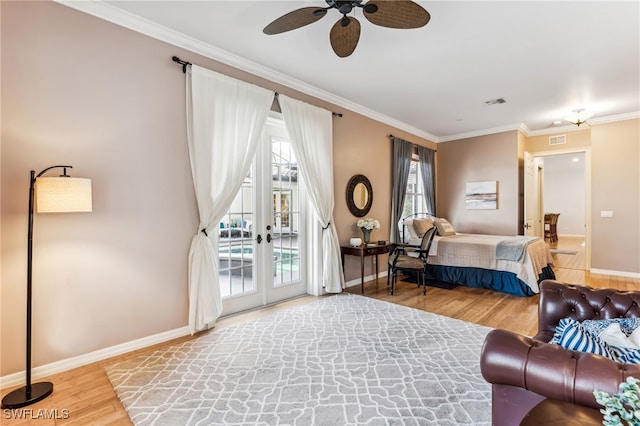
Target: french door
(261,257)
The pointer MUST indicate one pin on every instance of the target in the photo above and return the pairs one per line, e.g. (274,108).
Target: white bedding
(479,251)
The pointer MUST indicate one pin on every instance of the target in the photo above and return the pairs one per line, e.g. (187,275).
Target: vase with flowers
(367,225)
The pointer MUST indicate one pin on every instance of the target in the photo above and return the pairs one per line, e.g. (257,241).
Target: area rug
(560,251)
(340,360)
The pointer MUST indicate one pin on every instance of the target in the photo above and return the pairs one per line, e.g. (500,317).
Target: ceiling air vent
(558,140)
(495,101)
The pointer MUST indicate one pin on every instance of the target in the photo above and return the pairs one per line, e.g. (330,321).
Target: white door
(261,236)
(531,223)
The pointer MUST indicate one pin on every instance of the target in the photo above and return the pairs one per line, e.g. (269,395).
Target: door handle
(268,238)
(259,239)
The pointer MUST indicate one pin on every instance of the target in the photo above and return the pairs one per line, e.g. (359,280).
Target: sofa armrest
(550,370)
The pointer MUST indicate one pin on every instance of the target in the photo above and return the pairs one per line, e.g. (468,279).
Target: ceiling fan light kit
(579,116)
(345,33)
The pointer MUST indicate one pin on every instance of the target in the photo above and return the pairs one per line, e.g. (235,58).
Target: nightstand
(363,251)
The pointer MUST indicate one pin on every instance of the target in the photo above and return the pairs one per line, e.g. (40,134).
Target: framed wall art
(482,195)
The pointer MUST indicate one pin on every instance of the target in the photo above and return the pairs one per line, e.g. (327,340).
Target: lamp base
(19,397)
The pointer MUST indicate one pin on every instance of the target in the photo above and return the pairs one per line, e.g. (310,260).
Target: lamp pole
(30,393)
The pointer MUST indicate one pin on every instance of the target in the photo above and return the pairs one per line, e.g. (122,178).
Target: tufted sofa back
(560,300)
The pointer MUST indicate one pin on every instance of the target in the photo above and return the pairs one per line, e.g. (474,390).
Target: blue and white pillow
(571,334)
(596,327)
(617,339)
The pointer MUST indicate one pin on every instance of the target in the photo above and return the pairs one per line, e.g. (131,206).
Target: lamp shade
(63,194)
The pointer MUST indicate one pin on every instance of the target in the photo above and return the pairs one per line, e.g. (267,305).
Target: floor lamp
(51,195)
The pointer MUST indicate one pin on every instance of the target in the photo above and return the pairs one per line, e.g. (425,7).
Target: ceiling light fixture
(578,116)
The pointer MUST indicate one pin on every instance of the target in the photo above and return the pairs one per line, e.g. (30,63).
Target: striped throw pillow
(571,334)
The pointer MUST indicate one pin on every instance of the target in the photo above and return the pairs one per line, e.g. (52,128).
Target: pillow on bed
(408,224)
(421,226)
(444,227)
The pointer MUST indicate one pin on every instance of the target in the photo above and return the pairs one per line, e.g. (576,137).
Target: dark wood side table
(362,251)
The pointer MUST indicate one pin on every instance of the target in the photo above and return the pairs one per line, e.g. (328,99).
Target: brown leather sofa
(524,371)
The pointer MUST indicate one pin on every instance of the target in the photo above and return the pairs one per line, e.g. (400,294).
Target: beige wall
(109,101)
(615,186)
(482,158)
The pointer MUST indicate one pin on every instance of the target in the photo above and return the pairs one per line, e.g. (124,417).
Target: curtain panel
(426,157)
(311,131)
(225,118)
(401,163)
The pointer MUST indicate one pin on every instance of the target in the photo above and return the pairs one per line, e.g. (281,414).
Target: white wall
(564,191)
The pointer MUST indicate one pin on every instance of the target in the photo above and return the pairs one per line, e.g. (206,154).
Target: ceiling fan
(345,33)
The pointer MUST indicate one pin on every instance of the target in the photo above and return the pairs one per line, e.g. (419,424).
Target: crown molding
(508,128)
(614,118)
(144,26)
(556,129)
(548,131)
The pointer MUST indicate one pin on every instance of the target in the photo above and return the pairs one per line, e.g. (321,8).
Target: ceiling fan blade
(344,36)
(295,19)
(396,14)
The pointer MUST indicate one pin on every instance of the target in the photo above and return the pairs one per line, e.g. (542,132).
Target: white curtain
(225,118)
(311,132)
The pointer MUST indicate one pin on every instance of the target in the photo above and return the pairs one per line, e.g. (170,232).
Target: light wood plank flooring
(90,400)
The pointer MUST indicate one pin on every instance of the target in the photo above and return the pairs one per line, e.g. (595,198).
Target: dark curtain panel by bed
(426,157)
(401,162)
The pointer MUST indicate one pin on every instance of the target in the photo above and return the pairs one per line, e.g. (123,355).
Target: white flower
(368,223)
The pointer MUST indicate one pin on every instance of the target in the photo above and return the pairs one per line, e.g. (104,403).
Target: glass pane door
(260,255)
(286,204)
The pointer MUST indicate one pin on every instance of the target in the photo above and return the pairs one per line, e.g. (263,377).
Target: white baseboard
(615,273)
(357,281)
(571,235)
(99,355)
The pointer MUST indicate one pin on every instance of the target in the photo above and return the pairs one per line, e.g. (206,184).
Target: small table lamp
(61,194)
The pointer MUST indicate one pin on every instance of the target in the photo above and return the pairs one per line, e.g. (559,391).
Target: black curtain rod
(335,114)
(181,62)
(391,136)
(184,70)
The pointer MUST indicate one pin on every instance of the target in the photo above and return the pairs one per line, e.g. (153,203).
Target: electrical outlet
(606,213)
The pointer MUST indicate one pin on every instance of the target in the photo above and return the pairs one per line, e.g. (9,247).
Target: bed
(508,264)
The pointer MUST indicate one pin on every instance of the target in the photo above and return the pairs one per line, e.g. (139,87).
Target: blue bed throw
(514,248)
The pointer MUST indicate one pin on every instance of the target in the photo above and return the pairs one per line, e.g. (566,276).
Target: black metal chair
(401,261)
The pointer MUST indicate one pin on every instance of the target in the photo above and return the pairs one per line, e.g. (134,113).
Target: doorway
(562,185)
(261,235)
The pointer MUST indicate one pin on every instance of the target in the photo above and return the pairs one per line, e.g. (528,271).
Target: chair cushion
(409,262)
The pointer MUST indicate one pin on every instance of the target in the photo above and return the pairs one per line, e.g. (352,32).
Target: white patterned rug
(340,360)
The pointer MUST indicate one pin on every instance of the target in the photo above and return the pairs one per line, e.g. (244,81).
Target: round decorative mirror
(359,195)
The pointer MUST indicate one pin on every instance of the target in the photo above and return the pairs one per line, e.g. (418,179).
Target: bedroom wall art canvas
(482,195)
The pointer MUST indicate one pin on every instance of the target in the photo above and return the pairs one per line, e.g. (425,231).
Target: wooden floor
(85,397)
